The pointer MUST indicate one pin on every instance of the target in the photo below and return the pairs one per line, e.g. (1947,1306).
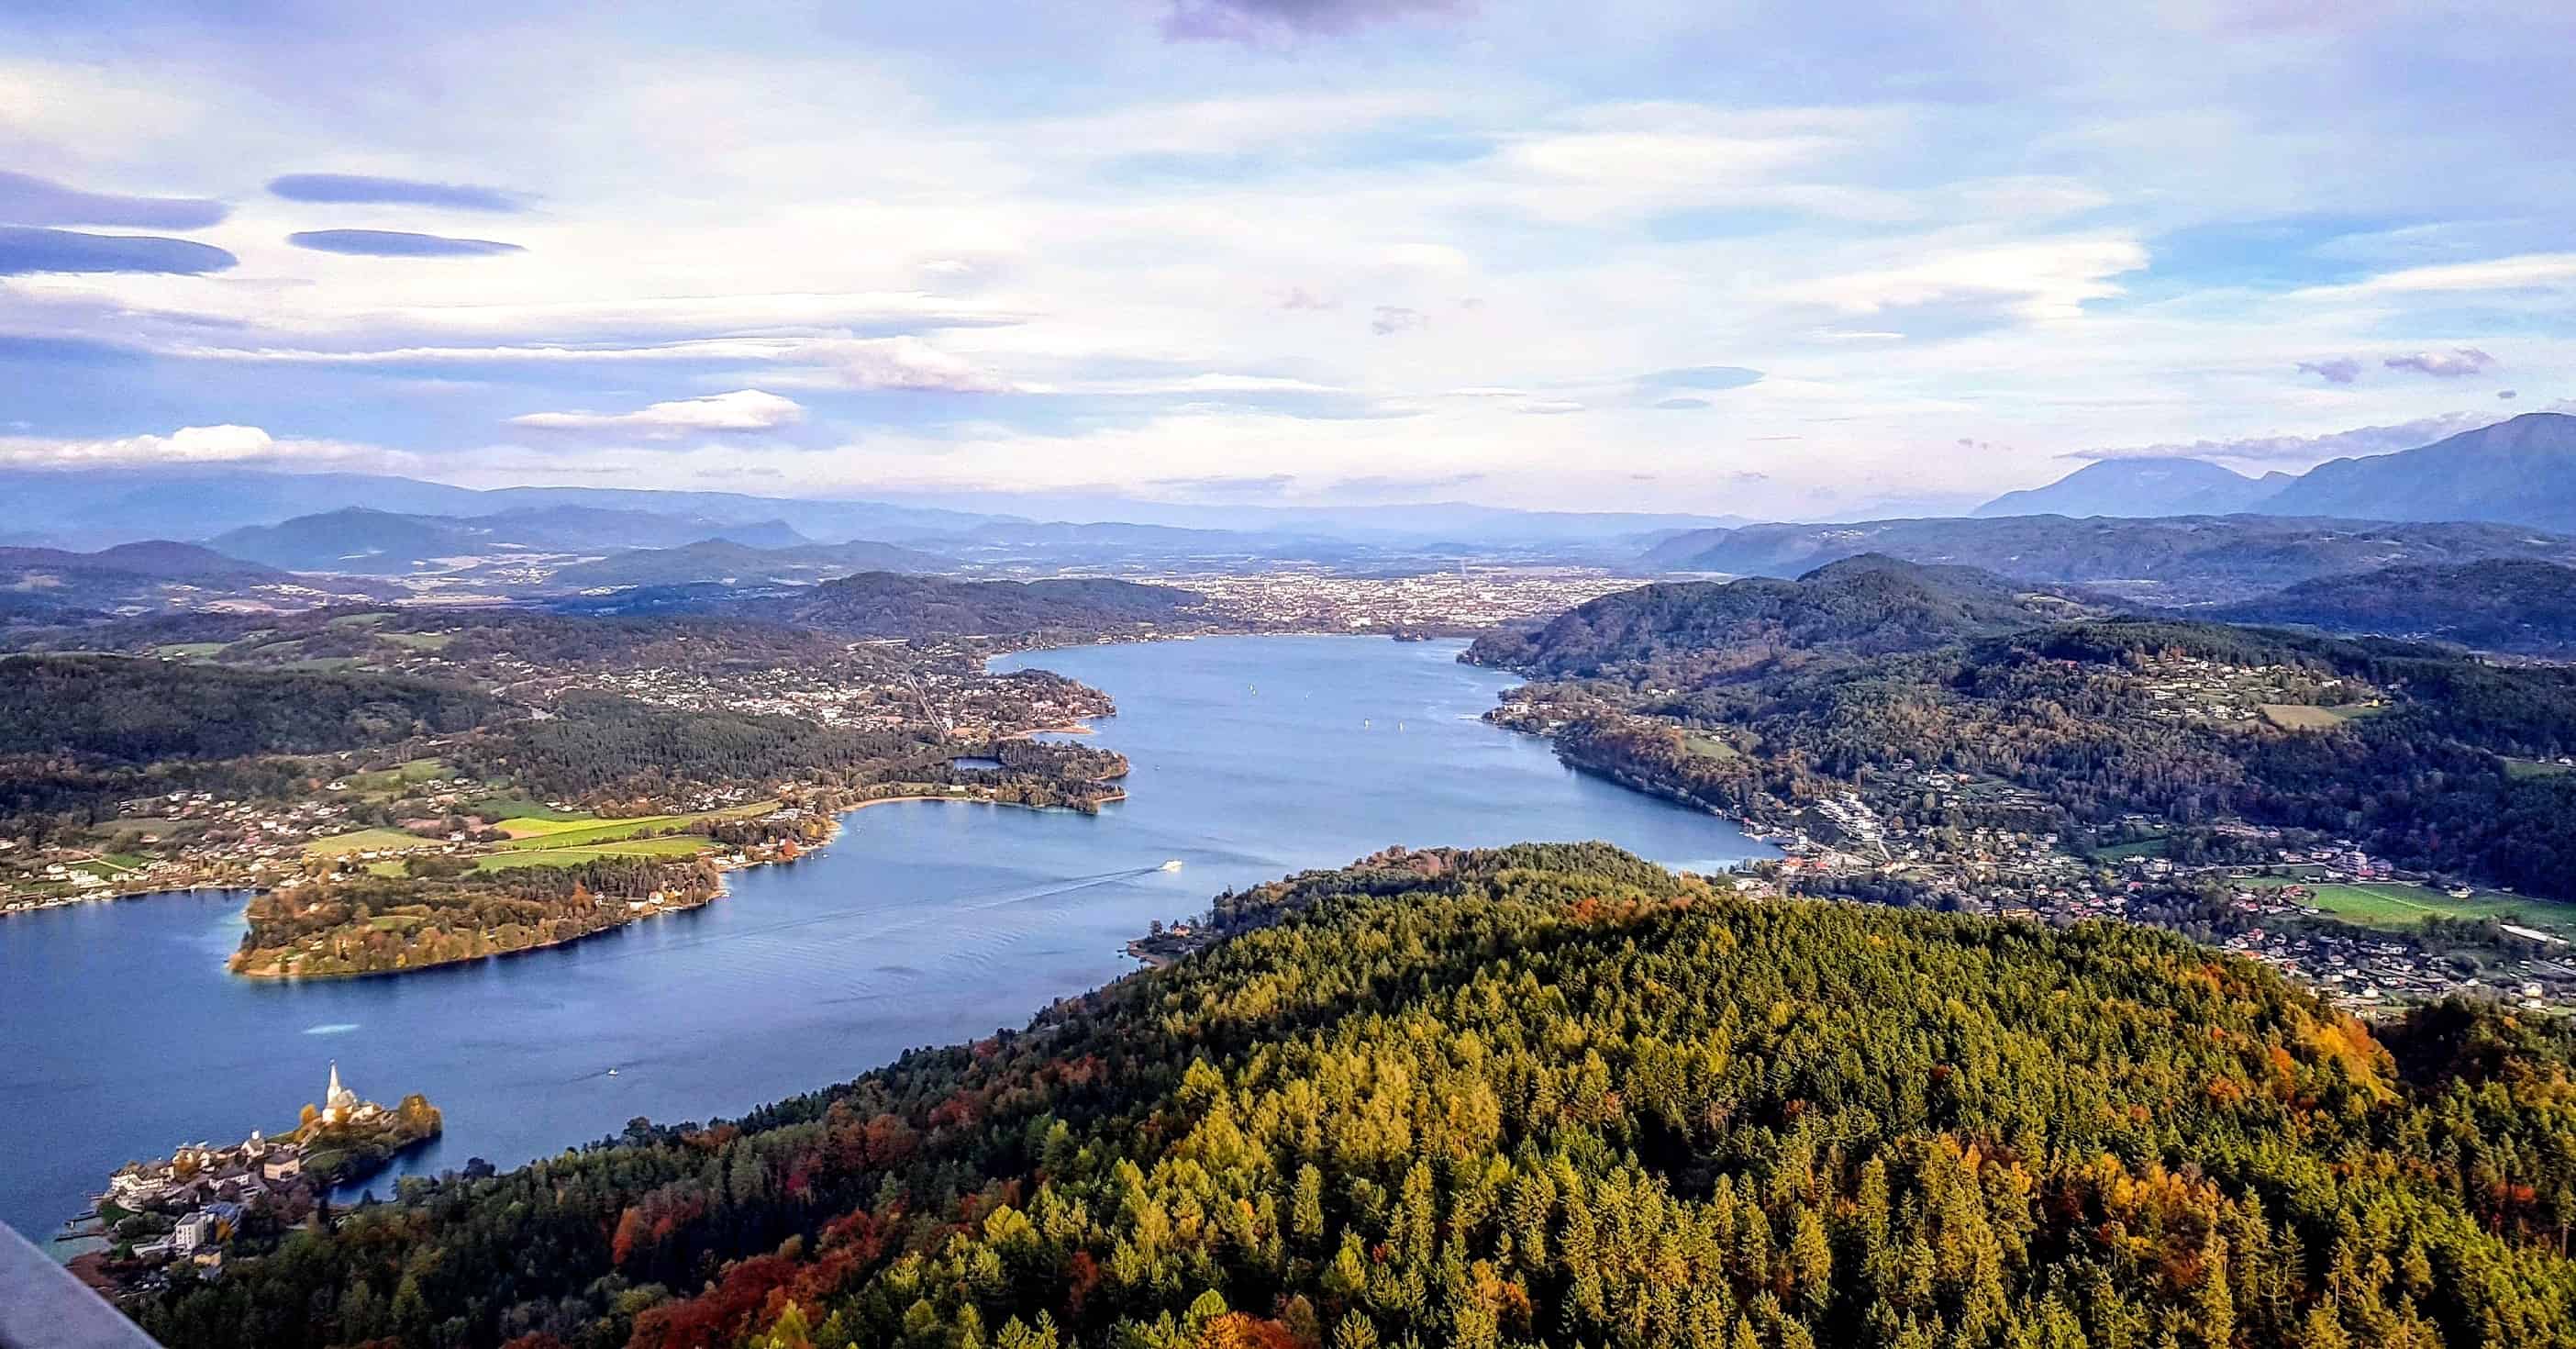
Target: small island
(192,1204)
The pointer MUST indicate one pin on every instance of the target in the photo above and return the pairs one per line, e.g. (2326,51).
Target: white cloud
(2038,281)
(2521,272)
(2452,364)
(907,363)
(741,410)
(2302,451)
(225,444)
(1905,265)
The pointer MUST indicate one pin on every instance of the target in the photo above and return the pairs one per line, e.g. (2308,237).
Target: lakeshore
(913,927)
(192,1206)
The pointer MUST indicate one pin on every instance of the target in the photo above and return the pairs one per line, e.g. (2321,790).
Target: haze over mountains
(2164,531)
(365,542)
(93,508)
(49,585)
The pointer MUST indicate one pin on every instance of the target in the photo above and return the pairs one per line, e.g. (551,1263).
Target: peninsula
(190,1206)
(421,787)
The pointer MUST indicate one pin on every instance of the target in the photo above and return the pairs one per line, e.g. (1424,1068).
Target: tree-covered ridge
(2101,719)
(2185,559)
(1684,633)
(885,604)
(123,711)
(2516,605)
(365,923)
(600,746)
(1541,1096)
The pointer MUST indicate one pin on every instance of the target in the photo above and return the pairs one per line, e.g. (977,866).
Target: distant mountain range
(2181,560)
(2521,471)
(369,542)
(94,507)
(51,585)
(90,508)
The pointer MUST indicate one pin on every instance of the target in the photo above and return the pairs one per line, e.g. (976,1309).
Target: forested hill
(2410,749)
(2181,559)
(137,711)
(2520,606)
(891,604)
(1681,633)
(1543,1095)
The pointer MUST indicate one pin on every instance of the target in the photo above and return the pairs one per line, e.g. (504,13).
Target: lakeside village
(883,684)
(2322,910)
(2365,933)
(191,839)
(1464,601)
(2278,902)
(202,841)
(188,1208)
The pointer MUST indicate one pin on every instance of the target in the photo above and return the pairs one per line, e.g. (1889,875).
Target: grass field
(2534,768)
(2300,717)
(533,830)
(512,808)
(359,620)
(2390,905)
(670,845)
(145,824)
(388,779)
(576,833)
(1708,746)
(189,650)
(2145,847)
(418,641)
(360,841)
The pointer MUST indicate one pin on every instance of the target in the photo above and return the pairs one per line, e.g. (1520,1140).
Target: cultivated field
(2390,905)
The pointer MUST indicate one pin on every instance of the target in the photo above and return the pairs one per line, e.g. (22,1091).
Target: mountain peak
(2519,471)
(2142,485)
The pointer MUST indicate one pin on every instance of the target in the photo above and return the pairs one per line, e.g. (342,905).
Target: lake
(121,1036)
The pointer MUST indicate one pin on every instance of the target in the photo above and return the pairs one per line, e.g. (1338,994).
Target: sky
(1789,261)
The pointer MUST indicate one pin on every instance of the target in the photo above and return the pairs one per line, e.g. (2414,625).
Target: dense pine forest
(2518,605)
(106,709)
(1543,1095)
(80,733)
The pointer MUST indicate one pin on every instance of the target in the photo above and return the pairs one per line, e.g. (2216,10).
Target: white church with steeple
(341,1105)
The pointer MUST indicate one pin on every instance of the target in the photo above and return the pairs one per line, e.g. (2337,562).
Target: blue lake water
(121,1035)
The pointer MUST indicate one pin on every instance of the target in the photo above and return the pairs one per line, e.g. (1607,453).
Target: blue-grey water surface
(121,1035)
